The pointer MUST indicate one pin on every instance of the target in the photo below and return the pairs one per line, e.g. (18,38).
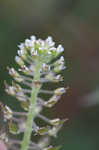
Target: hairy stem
(31,113)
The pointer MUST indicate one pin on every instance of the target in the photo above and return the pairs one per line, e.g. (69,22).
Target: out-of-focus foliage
(75,23)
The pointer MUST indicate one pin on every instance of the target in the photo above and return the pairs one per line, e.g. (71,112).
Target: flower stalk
(32,111)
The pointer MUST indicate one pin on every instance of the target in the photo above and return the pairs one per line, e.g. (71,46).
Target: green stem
(31,113)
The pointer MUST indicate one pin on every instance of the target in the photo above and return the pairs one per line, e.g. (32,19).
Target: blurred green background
(75,24)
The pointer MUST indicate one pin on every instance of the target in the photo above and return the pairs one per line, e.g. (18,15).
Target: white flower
(62,59)
(17,59)
(27,43)
(21,53)
(21,46)
(33,37)
(12,71)
(60,48)
(33,52)
(52,49)
(50,42)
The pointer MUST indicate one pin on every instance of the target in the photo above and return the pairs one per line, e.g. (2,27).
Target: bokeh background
(75,24)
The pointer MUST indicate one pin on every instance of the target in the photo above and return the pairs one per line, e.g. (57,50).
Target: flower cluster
(38,65)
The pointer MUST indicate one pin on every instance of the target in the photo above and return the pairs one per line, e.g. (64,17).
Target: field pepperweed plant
(40,63)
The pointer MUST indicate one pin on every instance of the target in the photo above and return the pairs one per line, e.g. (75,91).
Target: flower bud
(15,74)
(19,61)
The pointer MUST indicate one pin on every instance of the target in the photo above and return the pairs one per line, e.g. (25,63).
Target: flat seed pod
(43,130)
(13,128)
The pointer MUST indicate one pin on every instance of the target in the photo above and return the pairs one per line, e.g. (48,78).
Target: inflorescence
(39,64)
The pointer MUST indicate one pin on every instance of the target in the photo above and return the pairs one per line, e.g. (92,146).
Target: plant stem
(31,112)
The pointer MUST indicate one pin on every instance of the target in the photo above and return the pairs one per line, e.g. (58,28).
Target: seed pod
(60,91)
(13,128)
(43,130)
(52,101)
